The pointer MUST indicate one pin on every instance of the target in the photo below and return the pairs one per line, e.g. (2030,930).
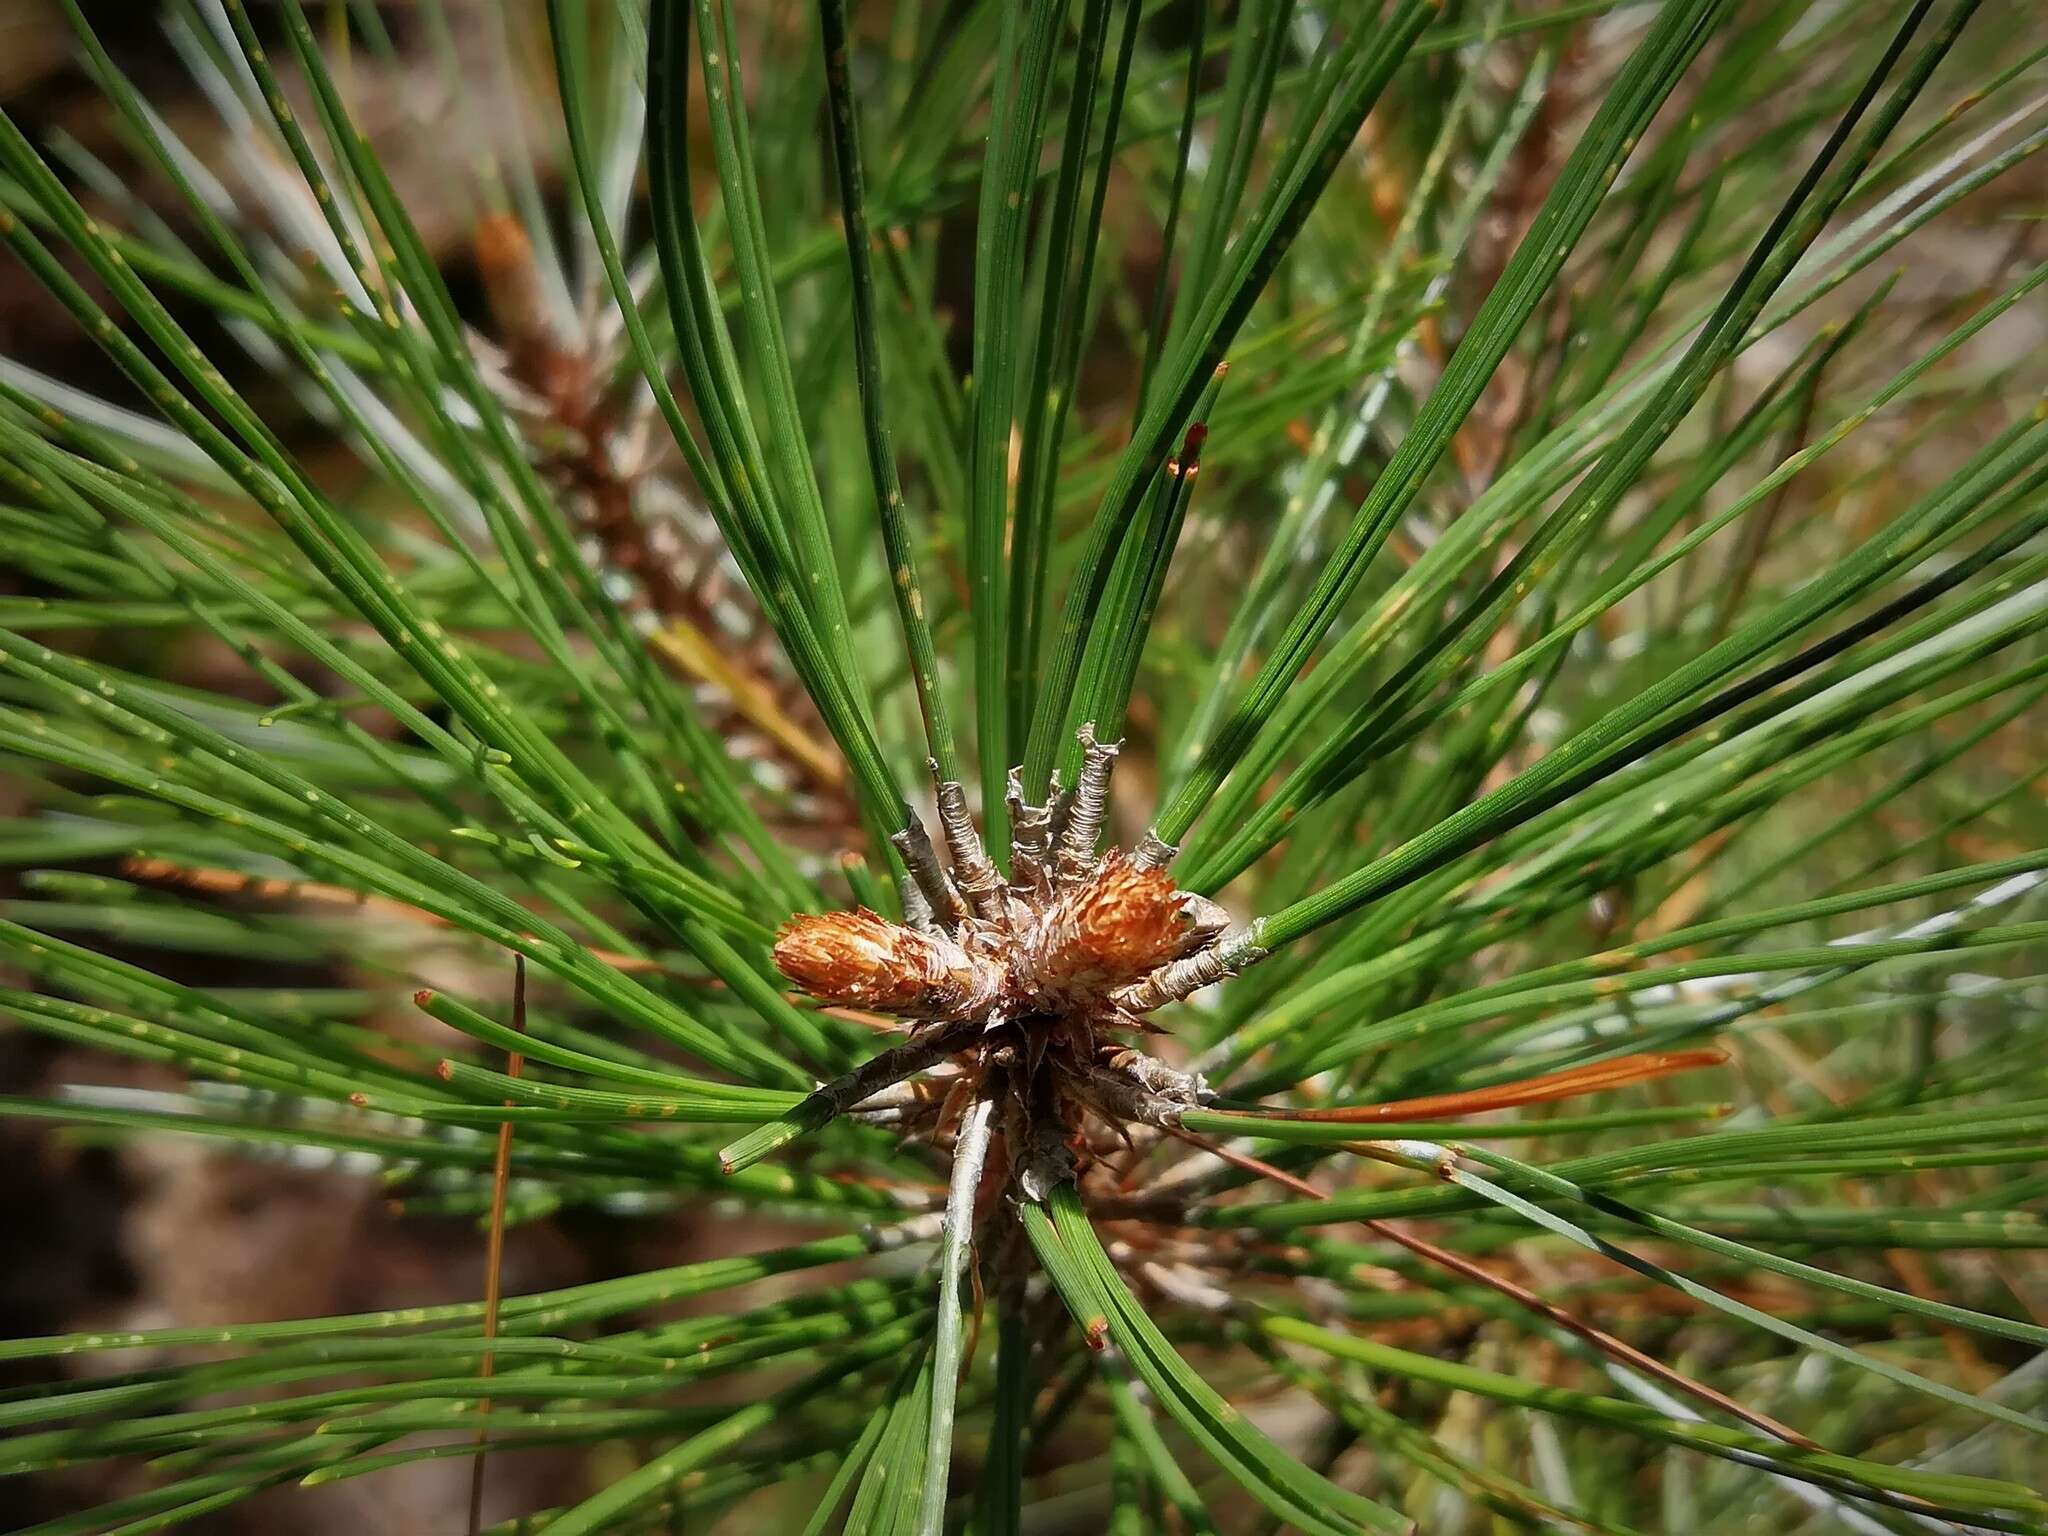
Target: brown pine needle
(686,648)
(1597,1077)
(494,1258)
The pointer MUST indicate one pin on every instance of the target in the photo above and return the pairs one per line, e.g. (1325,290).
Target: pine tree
(1320,727)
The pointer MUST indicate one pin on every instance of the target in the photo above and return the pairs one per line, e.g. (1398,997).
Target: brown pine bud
(1113,928)
(860,959)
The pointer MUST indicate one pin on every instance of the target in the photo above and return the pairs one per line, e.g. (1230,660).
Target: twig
(970,1150)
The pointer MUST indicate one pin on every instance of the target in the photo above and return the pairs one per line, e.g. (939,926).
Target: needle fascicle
(1030,838)
(973,872)
(942,903)
(1182,978)
(1153,851)
(1074,858)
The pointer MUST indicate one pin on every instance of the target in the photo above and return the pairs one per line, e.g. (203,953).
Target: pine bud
(1115,927)
(860,959)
